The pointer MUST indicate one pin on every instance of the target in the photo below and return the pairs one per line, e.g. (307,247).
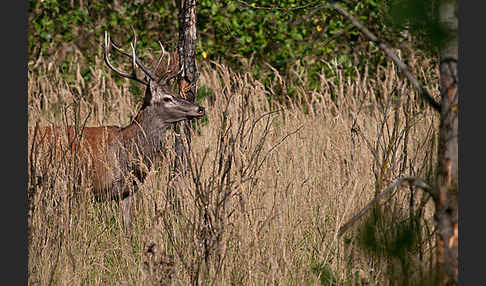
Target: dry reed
(268,188)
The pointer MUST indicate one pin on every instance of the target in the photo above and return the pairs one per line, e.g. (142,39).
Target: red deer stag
(110,154)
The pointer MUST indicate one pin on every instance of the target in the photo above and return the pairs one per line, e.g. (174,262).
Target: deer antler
(171,64)
(162,77)
(160,59)
(132,55)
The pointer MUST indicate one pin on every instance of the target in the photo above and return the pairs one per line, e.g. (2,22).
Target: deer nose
(201,110)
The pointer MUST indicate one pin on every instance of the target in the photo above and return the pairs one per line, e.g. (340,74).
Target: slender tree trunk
(186,48)
(447,184)
(447,178)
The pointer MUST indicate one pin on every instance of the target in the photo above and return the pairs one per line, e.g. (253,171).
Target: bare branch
(403,67)
(313,4)
(412,181)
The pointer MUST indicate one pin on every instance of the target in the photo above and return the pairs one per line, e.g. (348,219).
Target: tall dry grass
(268,186)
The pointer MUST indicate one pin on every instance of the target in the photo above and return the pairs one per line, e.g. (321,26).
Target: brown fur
(94,147)
(109,155)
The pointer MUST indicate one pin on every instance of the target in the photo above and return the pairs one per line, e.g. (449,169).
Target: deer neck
(145,133)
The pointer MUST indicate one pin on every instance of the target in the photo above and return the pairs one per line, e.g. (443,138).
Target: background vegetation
(247,36)
(311,116)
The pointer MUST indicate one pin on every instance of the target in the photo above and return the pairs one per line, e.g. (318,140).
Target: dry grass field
(267,189)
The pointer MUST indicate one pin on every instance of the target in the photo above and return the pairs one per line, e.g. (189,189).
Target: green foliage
(398,239)
(284,36)
(421,19)
(203,92)
(55,24)
(326,277)
(281,34)
(290,35)
(135,90)
(396,243)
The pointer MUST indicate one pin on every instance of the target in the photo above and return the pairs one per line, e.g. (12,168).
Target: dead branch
(401,65)
(412,181)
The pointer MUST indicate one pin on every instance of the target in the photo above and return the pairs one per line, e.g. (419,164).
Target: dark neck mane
(146,133)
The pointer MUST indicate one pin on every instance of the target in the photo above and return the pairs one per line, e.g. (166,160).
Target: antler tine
(139,63)
(160,59)
(176,74)
(137,60)
(134,36)
(134,58)
(167,75)
(168,60)
(120,50)
(132,75)
(109,43)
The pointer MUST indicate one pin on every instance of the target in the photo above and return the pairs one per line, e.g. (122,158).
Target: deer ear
(149,92)
(153,87)
(155,90)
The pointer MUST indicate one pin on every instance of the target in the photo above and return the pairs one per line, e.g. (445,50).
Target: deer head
(159,100)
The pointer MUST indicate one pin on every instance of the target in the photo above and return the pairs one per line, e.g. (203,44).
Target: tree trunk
(446,215)
(186,49)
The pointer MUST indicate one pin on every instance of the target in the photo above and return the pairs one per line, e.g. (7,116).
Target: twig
(397,183)
(252,5)
(403,67)
(278,144)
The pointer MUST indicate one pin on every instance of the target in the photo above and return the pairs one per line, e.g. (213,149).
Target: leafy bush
(292,36)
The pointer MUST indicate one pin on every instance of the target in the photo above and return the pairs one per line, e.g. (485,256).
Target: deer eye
(167,99)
